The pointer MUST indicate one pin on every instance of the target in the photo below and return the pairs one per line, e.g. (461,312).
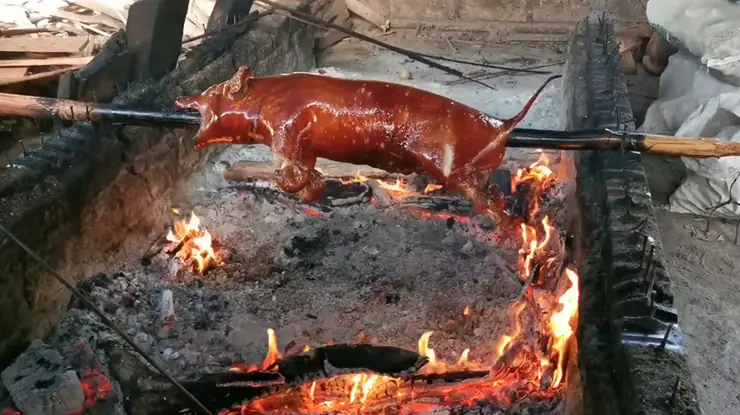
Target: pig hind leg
(472,181)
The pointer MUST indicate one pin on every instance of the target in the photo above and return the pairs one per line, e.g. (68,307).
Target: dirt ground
(703,267)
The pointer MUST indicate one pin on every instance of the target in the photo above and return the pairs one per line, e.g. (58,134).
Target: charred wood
(344,358)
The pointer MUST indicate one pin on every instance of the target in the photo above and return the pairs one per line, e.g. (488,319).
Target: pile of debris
(42,39)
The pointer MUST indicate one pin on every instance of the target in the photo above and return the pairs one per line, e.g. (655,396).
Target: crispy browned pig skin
(393,127)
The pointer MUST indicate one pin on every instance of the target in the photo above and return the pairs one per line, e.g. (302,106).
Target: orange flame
(506,339)
(560,323)
(397,190)
(540,176)
(197,243)
(273,355)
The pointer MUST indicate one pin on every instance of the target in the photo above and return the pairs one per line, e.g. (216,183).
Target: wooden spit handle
(690,147)
(65,109)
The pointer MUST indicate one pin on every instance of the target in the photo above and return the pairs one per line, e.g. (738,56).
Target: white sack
(709,29)
(709,180)
(684,85)
(692,103)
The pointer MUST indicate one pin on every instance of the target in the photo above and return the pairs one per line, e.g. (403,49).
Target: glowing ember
(192,243)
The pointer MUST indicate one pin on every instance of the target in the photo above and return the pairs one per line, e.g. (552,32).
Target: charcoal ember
(308,240)
(519,204)
(40,383)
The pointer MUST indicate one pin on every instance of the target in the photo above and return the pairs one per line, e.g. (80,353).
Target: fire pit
(386,296)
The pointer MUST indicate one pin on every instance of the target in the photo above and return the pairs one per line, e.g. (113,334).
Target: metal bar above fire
(593,139)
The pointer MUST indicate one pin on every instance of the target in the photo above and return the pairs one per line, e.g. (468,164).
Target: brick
(493,10)
(154,32)
(226,12)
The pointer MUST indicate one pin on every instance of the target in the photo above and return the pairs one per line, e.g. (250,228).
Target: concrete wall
(525,19)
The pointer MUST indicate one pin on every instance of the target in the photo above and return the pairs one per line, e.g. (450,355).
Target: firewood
(250,170)
(381,197)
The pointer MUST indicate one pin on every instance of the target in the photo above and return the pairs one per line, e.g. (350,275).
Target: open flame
(397,190)
(537,371)
(192,243)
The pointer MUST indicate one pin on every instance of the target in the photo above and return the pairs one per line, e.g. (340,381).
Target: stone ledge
(82,199)
(615,196)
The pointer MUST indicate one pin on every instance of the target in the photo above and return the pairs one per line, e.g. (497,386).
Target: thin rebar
(79,296)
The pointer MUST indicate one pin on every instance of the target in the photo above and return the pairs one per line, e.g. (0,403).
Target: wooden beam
(57,61)
(154,33)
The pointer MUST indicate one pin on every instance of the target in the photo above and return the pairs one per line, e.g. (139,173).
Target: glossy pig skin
(393,127)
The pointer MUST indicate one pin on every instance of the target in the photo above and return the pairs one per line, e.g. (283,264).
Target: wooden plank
(88,19)
(60,61)
(12,73)
(46,44)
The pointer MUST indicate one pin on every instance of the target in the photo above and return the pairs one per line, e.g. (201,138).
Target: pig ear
(240,81)
(187,103)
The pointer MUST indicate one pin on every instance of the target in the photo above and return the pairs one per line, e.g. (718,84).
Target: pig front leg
(297,173)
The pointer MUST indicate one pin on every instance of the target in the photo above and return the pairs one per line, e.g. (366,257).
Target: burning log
(342,358)
(381,197)
(226,389)
(244,171)
(453,205)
